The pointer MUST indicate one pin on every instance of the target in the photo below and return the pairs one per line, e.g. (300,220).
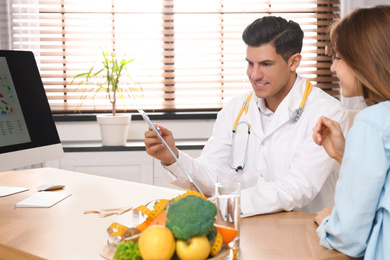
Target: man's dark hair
(285,36)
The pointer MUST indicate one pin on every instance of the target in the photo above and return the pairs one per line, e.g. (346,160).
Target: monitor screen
(28,134)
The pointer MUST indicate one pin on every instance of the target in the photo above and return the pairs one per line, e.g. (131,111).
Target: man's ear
(294,61)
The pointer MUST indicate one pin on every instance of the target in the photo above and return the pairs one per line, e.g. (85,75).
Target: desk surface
(64,232)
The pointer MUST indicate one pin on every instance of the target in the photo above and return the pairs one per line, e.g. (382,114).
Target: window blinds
(189,55)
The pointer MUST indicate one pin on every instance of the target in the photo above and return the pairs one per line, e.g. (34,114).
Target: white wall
(348,5)
(135,166)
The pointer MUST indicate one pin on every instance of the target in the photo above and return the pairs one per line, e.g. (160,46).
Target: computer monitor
(28,134)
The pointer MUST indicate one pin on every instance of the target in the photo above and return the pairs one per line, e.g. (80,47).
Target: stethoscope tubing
(296,115)
(230,161)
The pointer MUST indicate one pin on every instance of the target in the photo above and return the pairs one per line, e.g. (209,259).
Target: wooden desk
(285,235)
(64,232)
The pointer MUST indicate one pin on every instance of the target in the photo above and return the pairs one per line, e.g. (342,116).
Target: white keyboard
(43,199)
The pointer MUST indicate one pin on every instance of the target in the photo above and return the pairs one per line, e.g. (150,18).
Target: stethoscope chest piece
(297,113)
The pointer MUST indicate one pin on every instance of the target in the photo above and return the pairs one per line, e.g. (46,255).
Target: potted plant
(114,126)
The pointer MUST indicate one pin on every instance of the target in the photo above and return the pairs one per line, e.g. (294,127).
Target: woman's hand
(328,133)
(155,147)
(320,215)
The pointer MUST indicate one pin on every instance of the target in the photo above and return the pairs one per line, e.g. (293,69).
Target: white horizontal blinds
(68,46)
(209,54)
(198,55)
(73,35)
(23,34)
(5,39)
(189,54)
(139,30)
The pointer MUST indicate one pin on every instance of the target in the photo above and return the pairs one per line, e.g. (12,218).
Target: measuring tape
(158,208)
(116,229)
(161,205)
(192,193)
(234,251)
(218,242)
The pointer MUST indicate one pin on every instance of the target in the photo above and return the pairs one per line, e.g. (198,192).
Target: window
(189,54)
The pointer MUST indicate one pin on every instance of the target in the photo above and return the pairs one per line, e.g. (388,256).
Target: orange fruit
(228,234)
(160,219)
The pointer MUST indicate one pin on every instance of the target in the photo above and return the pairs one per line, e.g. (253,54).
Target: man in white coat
(272,153)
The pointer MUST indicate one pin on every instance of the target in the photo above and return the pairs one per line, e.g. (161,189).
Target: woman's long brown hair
(362,40)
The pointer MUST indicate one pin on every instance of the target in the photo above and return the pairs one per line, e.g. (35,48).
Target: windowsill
(81,133)
(136,116)
(95,146)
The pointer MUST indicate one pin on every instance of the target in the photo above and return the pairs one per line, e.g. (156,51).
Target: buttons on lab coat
(260,178)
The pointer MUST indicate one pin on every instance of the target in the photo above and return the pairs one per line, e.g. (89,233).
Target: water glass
(228,208)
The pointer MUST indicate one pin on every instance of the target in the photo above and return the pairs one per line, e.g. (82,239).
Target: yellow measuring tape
(192,193)
(161,205)
(152,214)
(217,246)
(116,229)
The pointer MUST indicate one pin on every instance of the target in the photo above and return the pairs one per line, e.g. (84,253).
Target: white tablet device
(147,119)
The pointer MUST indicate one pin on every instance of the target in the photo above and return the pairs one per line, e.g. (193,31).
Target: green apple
(196,248)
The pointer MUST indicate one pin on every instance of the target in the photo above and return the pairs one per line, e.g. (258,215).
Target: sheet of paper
(5,191)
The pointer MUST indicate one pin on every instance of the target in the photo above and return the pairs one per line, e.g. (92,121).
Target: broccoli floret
(191,216)
(127,250)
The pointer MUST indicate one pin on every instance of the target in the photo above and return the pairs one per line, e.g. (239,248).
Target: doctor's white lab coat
(284,169)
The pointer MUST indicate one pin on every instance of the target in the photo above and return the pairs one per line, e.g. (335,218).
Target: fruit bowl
(165,224)
(108,254)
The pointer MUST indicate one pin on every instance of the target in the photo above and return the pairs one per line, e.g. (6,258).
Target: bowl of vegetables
(182,228)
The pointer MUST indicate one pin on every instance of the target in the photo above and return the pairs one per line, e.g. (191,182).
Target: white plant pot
(114,129)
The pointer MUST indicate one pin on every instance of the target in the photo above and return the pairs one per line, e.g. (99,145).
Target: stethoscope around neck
(295,116)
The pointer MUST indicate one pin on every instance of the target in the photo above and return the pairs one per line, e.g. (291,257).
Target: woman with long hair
(359,223)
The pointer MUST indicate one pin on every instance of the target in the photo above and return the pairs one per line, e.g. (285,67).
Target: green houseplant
(110,79)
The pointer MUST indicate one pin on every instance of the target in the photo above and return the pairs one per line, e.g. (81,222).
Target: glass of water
(228,208)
